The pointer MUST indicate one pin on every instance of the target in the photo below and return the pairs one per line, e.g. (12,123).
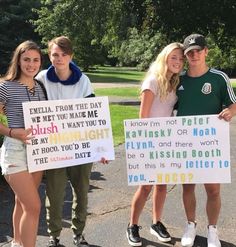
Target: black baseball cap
(194,41)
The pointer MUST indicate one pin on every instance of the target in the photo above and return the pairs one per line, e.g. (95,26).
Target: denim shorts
(13,156)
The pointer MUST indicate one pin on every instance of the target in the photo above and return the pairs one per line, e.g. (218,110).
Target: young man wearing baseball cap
(203,91)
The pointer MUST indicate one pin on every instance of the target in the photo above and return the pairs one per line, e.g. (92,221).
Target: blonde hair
(14,71)
(159,69)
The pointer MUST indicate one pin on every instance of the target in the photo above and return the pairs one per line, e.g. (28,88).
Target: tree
(82,21)
(175,19)
(105,30)
(15,27)
(140,49)
(178,18)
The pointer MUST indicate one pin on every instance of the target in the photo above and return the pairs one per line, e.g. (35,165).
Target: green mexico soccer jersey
(207,94)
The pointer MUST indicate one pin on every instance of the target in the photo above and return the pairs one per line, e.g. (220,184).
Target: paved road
(109,209)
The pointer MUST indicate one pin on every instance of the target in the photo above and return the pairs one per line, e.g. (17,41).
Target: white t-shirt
(159,108)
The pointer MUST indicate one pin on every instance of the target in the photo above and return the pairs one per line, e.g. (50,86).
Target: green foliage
(15,27)
(81,20)
(219,59)
(172,20)
(131,32)
(140,49)
(3,120)
(178,18)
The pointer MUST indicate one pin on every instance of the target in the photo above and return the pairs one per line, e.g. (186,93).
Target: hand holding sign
(68,132)
(177,150)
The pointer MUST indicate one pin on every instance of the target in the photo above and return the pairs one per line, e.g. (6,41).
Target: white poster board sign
(177,150)
(68,132)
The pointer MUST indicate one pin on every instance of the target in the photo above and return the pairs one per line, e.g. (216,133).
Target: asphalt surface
(109,209)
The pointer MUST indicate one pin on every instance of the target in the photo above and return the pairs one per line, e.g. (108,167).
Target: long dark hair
(14,71)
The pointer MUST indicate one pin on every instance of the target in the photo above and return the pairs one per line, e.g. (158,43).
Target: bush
(225,61)
(3,120)
(140,49)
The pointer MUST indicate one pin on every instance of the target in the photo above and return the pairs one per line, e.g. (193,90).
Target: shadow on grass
(115,75)
(105,79)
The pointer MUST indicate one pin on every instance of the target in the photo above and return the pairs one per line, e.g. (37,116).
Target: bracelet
(10,132)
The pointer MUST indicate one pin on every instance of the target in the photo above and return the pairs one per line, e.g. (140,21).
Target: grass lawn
(130,92)
(127,92)
(115,74)
(233,83)
(118,114)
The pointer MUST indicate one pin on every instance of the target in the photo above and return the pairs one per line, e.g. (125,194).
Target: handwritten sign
(68,132)
(177,150)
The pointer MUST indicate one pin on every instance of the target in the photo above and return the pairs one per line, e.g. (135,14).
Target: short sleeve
(3,93)
(227,92)
(150,83)
(87,85)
